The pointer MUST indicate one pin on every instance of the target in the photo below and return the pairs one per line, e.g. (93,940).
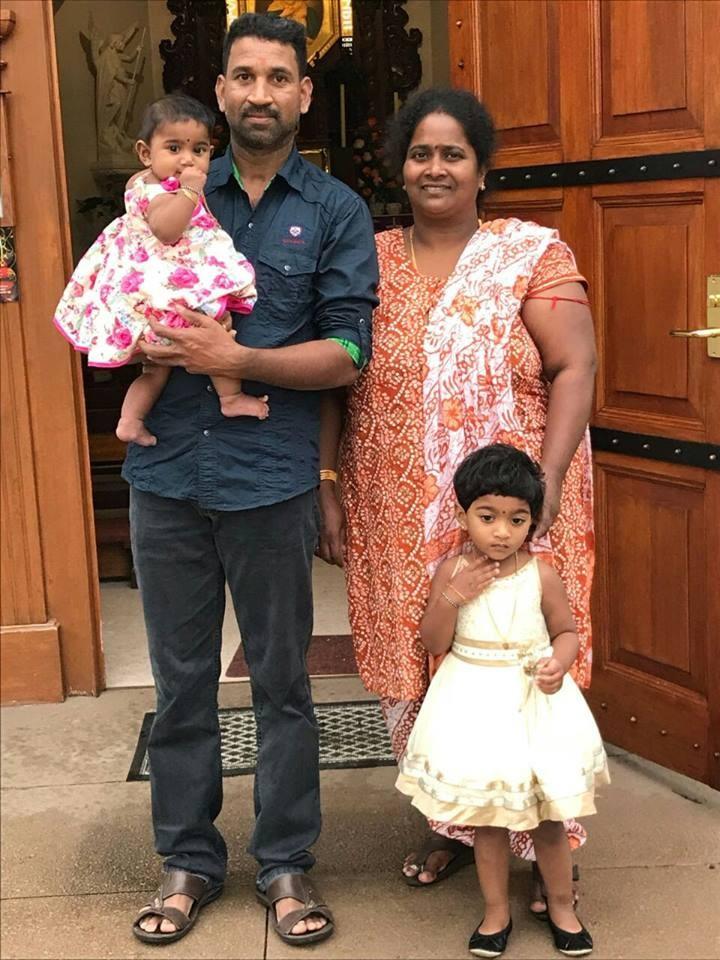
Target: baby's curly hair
(462,105)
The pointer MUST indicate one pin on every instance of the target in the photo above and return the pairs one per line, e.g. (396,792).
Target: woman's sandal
(462,856)
(539,892)
(174,882)
(299,887)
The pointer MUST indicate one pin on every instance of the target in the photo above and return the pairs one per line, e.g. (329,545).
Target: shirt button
(209,388)
(250,226)
(286,267)
(206,433)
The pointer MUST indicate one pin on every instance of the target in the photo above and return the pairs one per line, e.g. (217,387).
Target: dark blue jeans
(183,557)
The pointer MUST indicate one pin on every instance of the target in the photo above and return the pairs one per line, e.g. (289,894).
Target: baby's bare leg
(139,400)
(235,403)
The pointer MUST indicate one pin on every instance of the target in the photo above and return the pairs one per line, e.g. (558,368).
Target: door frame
(51,639)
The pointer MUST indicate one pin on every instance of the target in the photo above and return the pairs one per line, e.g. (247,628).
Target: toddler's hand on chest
(477,575)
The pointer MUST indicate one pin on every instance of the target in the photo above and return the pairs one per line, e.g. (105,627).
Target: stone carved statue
(116,77)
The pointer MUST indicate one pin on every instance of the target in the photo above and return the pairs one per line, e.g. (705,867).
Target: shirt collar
(223,170)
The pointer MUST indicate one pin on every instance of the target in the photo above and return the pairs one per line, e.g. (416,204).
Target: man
(234,499)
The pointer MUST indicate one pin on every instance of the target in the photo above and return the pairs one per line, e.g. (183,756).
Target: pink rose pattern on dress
(128,275)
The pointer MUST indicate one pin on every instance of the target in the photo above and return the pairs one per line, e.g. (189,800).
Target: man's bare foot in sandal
(313,922)
(175,906)
(295,920)
(152,924)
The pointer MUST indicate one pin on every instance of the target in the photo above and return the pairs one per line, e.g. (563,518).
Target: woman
(483,335)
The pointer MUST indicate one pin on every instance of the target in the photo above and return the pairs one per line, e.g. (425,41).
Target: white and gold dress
(488,747)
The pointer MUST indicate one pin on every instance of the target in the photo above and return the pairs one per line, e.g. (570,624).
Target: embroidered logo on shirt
(295,237)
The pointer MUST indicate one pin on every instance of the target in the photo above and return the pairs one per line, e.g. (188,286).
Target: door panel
(650,280)
(651,81)
(651,610)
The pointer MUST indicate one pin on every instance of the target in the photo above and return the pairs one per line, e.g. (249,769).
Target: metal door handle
(703,334)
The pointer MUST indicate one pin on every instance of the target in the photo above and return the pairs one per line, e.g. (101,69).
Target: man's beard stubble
(272,138)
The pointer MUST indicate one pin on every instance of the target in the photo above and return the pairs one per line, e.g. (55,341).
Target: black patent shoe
(571,944)
(489,944)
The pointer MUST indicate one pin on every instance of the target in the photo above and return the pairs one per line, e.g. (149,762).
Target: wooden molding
(30,668)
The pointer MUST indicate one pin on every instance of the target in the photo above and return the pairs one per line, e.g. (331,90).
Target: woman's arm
(563,334)
(331,544)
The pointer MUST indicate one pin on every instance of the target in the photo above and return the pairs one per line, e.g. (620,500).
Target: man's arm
(345,283)
(205,347)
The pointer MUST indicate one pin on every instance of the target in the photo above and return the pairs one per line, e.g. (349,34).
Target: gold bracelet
(463,599)
(450,600)
(191,193)
(329,475)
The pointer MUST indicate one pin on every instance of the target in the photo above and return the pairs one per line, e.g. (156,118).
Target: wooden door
(609,118)
(50,636)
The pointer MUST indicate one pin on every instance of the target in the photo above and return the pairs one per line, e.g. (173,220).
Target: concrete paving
(77,857)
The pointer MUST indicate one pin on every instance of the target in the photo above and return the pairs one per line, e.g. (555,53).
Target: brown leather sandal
(201,891)
(299,887)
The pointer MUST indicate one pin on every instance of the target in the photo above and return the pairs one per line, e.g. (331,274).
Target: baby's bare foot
(133,430)
(243,405)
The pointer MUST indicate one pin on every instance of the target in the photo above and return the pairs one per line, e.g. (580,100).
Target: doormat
(330,655)
(352,734)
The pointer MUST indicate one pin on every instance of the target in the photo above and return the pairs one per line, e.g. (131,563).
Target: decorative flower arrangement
(374,182)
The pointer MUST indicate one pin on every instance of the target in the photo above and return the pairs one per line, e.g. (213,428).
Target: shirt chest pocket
(284,281)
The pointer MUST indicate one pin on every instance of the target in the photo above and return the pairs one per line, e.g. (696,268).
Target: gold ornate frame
(317,47)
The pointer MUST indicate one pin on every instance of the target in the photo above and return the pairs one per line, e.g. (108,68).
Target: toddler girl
(504,739)
(166,250)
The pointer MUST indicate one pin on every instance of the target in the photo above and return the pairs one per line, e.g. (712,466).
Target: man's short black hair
(268,27)
(461,105)
(503,470)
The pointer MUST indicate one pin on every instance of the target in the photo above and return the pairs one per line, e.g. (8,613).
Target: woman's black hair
(461,105)
(268,27)
(170,109)
(503,470)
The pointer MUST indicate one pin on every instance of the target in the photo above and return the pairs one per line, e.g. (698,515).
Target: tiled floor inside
(123,631)
(77,855)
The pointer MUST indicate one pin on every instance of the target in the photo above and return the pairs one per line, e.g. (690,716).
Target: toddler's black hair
(170,109)
(503,470)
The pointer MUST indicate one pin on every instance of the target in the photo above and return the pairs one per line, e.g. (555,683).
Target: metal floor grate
(352,734)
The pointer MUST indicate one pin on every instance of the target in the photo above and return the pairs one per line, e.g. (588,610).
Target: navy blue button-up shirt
(310,240)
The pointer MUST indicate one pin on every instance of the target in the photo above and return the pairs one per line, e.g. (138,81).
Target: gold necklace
(411,239)
(411,234)
(505,636)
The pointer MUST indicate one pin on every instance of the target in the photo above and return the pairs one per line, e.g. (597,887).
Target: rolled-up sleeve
(346,281)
